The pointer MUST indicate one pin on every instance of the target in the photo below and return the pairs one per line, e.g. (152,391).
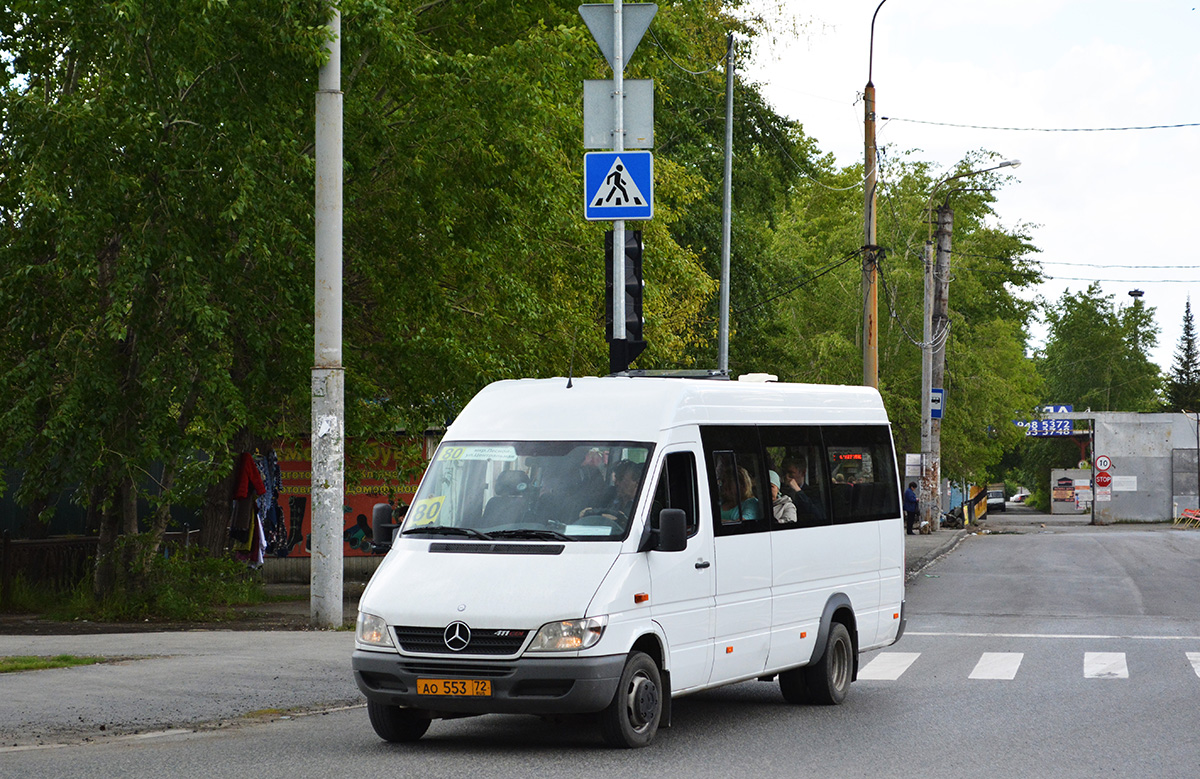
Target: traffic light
(625,351)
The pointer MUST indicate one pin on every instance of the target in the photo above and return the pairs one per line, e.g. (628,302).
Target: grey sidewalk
(197,678)
(921,550)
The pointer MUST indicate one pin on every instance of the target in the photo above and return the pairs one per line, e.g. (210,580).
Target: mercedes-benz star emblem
(457,635)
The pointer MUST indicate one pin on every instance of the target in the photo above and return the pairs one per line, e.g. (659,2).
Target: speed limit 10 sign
(1103,463)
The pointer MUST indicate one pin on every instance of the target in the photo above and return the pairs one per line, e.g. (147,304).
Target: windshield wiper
(531,533)
(442,530)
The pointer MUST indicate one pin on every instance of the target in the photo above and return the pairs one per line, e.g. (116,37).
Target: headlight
(569,636)
(373,630)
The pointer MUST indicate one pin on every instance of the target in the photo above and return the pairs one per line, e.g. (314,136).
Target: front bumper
(570,685)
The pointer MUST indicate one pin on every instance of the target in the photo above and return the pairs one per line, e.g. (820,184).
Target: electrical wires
(1044,129)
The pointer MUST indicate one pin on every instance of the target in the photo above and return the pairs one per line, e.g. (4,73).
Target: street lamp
(933,358)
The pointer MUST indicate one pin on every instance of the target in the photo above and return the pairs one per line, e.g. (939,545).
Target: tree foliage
(1096,353)
(1183,384)
(156,191)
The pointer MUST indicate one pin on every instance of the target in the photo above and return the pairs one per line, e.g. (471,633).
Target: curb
(945,548)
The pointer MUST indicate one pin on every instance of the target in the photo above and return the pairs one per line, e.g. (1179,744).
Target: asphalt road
(1064,650)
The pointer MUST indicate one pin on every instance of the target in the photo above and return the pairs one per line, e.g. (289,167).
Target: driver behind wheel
(618,499)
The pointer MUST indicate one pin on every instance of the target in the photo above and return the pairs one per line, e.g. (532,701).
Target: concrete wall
(1141,447)
(1153,463)
(296,569)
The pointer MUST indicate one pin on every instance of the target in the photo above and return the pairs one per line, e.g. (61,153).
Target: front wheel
(396,724)
(631,720)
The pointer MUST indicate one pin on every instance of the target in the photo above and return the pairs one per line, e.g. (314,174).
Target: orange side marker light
(641,597)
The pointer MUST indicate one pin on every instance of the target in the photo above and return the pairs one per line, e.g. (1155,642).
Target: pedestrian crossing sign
(618,185)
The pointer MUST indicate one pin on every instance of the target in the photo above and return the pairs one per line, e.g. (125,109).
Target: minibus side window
(794,457)
(677,489)
(862,466)
(741,501)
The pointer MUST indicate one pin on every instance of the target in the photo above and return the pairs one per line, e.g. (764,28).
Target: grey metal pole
(727,210)
(328,378)
(618,253)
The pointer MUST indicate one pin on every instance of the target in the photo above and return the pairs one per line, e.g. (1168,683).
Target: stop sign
(1103,479)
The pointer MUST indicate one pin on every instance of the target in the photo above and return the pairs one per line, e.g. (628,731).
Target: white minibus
(608,545)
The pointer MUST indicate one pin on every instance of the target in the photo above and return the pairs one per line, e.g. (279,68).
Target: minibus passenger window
(799,500)
(737,490)
(865,486)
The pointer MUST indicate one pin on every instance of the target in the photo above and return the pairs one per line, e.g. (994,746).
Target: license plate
(471,688)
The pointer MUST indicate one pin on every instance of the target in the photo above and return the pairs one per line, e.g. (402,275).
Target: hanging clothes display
(245,528)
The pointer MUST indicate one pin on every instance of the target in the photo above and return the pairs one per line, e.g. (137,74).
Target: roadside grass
(185,586)
(15,663)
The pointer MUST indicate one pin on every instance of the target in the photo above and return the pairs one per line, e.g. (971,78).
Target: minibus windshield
(538,490)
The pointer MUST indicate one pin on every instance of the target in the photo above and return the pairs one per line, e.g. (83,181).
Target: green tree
(154,214)
(156,217)
(818,322)
(1183,385)
(1096,353)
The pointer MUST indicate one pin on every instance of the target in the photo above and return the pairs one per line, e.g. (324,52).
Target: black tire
(396,724)
(631,720)
(794,687)
(826,681)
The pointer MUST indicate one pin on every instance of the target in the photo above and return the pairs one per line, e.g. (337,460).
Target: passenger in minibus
(794,485)
(781,505)
(737,498)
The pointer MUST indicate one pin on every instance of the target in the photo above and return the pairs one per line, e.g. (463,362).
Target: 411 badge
(618,185)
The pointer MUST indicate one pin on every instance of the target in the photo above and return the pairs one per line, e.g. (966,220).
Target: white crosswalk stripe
(888,666)
(1006,666)
(1105,665)
(998,665)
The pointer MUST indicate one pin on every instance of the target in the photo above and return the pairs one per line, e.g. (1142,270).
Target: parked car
(1020,496)
(995,500)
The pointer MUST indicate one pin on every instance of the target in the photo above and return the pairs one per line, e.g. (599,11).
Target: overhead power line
(1044,129)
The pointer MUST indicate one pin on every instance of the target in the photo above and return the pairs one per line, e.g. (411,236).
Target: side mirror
(672,531)
(383,529)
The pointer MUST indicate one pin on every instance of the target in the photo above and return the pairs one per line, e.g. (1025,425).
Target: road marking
(1105,665)
(1088,636)
(1194,659)
(888,666)
(997,665)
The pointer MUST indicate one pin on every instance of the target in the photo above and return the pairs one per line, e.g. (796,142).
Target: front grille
(463,670)
(483,642)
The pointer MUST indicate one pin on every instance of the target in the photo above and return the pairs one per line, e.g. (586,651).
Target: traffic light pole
(618,66)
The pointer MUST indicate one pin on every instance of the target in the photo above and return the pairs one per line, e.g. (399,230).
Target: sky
(1113,206)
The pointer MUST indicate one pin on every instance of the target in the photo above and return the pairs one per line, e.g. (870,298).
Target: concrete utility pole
(929,472)
(870,254)
(938,323)
(933,349)
(328,376)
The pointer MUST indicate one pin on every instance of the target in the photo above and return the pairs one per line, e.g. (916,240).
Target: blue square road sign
(618,185)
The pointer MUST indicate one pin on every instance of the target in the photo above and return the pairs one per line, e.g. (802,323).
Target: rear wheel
(826,681)
(631,720)
(396,724)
